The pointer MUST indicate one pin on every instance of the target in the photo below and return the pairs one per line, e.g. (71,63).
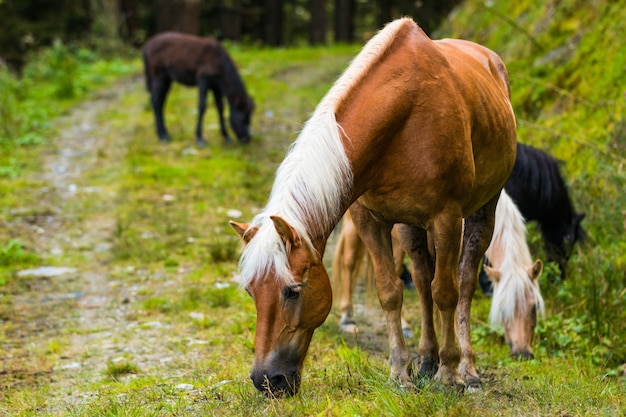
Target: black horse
(192,60)
(540,193)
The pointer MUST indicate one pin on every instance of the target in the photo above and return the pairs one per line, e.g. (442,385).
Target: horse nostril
(277,385)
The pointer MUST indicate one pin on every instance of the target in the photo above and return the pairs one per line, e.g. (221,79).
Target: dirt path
(80,313)
(76,308)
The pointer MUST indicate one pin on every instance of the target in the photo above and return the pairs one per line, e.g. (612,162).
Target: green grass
(175,335)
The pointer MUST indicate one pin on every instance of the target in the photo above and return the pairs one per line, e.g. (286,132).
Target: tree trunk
(385,15)
(273,22)
(317,34)
(178,15)
(230,19)
(344,20)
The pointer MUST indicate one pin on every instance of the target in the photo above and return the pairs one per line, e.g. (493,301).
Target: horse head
(241,117)
(519,316)
(288,311)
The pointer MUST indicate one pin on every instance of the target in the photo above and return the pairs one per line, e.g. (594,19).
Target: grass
(161,328)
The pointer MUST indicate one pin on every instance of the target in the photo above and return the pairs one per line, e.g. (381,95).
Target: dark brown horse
(195,61)
(414,132)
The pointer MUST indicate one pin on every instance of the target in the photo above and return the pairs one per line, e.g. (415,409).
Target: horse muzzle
(276,384)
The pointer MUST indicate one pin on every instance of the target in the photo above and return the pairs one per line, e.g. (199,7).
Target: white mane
(509,237)
(315,179)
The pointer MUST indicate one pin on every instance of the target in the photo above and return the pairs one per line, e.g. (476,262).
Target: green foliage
(121,367)
(60,72)
(15,254)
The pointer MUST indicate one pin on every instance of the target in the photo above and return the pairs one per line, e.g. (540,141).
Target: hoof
(428,367)
(407,332)
(349,326)
(448,377)
(473,387)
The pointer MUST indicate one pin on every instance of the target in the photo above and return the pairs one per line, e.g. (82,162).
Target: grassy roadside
(147,230)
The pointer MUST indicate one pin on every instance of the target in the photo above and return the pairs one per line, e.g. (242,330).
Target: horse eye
(292,292)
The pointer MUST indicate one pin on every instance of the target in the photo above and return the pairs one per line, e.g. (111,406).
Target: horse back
(184,58)
(440,105)
(454,48)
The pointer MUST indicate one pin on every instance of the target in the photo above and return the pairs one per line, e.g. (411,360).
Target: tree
(273,14)
(344,20)
(317,31)
(178,15)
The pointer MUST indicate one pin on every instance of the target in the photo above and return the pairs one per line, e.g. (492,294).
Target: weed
(121,367)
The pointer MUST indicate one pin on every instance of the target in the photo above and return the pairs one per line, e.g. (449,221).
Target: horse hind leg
(476,238)
(447,233)
(414,241)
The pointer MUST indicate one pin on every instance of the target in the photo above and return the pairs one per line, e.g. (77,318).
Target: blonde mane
(509,239)
(315,179)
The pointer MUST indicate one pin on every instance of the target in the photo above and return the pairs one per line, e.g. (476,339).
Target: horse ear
(535,270)
(493,274)
(245,232)
(287,233)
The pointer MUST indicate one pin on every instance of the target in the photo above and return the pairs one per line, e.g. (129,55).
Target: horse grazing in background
(417,132)
(517,298)
(539,191)
(195,61)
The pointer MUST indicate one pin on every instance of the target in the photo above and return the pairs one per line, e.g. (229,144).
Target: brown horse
(517,298)
(414,132)
(195,61)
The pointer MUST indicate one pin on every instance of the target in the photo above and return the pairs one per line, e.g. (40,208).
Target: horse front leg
(476,238)
(377,239)
(219,103)
(414,241)
(203,88)
(447,234)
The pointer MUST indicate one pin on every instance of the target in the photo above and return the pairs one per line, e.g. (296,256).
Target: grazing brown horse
(414,132)
(195,61)
(517,298)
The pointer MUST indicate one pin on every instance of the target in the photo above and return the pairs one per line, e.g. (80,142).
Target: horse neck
(311,191)
(315,183)
(233,84)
